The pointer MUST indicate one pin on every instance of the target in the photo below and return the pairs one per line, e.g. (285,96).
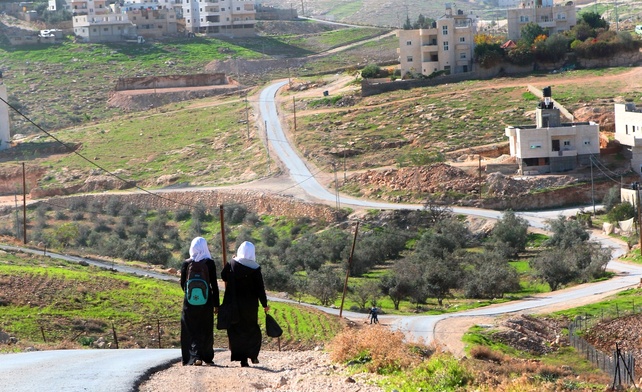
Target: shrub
(621,212)
(182,214)
(484,353)
(370,71)
(612,198)
(379,349)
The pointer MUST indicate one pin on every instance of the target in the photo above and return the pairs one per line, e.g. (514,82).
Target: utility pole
(267,147)
(592,186)
(247,118)
(294,111)
(345,285)
(24,205)
(637,191)
(336,185)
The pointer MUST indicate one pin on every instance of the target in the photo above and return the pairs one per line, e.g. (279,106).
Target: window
(536,145)
(462,39)
(523,19)
(445,45)
(238,8)
(444,30)
(409,59)
(462,55)
(408,43)
(561,16)
(567,144)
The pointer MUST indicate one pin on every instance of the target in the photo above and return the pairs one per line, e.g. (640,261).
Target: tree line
(430,253)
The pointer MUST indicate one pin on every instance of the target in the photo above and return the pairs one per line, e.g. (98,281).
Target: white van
(638,29)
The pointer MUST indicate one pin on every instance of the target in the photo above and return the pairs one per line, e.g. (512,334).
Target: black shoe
(244,363)
(255,360)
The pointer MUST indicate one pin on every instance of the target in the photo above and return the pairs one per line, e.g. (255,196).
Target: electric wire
(89,160)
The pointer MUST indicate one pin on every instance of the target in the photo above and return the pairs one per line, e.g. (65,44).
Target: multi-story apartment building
(228,17)
(447,46)
(554,18)
(153,19)
(628,131)
(5,135)
(97,21)
(550,145)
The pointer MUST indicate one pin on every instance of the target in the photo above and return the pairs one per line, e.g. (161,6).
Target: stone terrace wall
(258,202)
(170,81)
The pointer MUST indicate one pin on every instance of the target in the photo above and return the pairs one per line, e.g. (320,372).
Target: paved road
(422,327)
(80,370)
(120,370)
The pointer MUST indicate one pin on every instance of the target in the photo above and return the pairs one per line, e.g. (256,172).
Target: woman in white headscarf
(197,321)
(244,336)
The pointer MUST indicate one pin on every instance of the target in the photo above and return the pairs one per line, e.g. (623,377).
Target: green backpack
(197,290)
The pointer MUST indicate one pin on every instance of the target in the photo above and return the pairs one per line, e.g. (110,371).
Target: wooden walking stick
(223,244)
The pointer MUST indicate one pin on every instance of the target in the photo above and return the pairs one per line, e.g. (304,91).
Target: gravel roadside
(304,371)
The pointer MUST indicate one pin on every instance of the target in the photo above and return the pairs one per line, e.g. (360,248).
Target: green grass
(440,373)
(70,305)
(201,146)
(625,302)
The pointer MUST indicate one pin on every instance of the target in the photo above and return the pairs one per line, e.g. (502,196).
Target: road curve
(121,370)
(422,327)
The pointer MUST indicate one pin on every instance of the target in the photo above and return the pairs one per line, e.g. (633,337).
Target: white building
(628,131)
(554,18)
(550,145)
(447,46)
(228,17)
(97,21)
(5,135)
(153,19)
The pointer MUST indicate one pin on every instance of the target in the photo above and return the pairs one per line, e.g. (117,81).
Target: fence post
(159,333)
(113,331)
(42,331)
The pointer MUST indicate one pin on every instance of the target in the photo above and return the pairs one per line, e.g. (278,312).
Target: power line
(133,184)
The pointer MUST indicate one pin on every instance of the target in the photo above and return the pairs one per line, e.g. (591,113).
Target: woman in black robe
(245,283)
(197,321)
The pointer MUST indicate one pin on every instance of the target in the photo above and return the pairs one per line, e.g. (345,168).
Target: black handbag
(224,316)
(272,328)
(228,312)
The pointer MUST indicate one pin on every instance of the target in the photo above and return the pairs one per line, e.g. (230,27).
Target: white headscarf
(245,255)
(198,249)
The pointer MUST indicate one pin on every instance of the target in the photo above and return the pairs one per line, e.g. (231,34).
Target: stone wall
(170,81)
(259,202)
(623,59)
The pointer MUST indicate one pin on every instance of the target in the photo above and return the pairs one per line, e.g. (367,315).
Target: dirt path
(310,371)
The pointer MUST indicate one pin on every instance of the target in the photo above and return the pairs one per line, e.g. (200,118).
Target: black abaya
(245,336)
(197,322)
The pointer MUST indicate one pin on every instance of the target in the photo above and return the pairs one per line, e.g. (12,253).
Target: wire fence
(163,332)
(619,365)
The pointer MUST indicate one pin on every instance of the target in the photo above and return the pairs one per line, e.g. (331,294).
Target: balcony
(563,153)
(547,24)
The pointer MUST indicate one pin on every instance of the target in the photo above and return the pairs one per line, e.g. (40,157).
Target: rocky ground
(309,371)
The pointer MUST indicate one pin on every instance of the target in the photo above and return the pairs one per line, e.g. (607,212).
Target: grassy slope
(72,305)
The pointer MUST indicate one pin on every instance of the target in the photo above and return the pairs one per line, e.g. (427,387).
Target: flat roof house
(628,131)
(553,18)
(234,18)
(551,146)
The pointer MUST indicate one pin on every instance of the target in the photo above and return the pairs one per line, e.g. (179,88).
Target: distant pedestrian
(245,287)
(200,302)
(373,315)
